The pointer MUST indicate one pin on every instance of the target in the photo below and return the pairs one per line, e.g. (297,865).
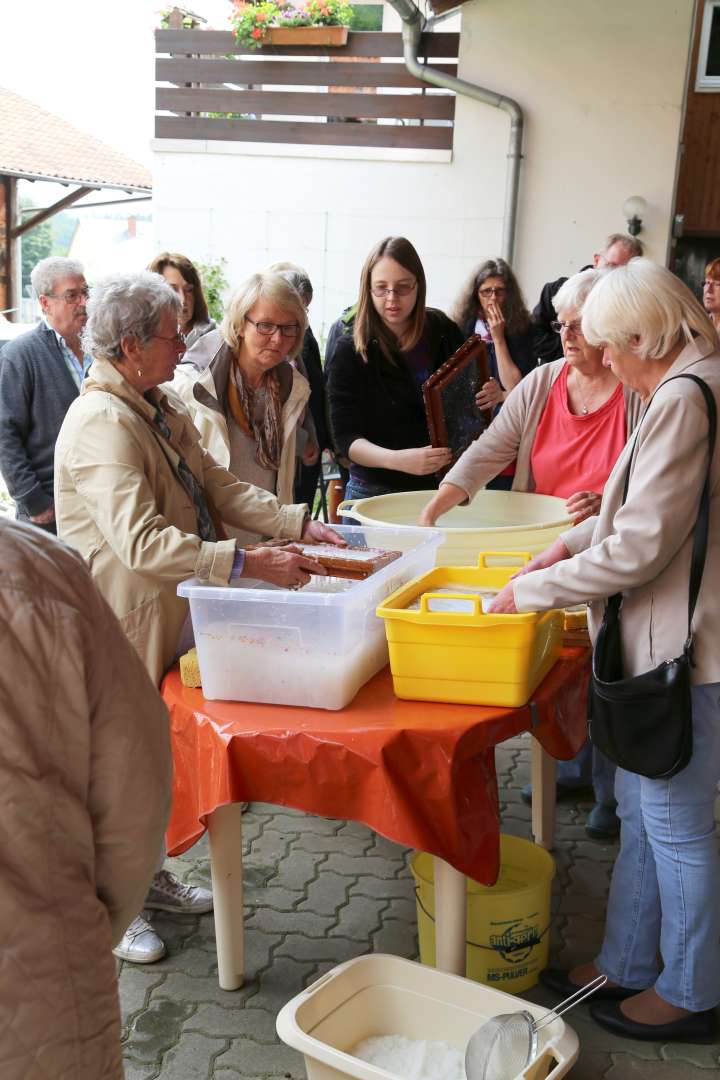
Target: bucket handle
(472,599)
(516,558)
(345,509)
(469,941)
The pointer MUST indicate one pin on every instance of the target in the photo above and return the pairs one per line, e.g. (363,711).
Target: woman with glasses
(142,501)
(245,397)
(390,347)
(182,276)
(564,425)
(492,305)
(711,292)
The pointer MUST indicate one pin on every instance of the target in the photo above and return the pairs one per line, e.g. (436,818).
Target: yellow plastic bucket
(494,520)
(508,924)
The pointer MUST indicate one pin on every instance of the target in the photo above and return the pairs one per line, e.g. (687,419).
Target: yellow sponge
(190,669)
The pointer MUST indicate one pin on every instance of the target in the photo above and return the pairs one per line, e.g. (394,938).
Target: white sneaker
(140,944)
(168,893)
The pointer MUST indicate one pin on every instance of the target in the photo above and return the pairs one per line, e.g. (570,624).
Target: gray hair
(298,278)
(263,286)
(126,305)
(634,247)
(571,295)
(47,272)
(646,308)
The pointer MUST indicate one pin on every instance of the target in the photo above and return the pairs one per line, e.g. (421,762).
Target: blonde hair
(573,293)
(646,308)
(265,285)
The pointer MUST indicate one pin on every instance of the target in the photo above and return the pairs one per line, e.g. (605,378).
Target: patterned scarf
(203,512)
(267,432)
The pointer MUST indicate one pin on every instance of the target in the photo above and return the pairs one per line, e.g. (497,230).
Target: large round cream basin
(493,521)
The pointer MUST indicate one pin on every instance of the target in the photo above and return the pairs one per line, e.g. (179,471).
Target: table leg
(543,796)
(450,917)
(225,835)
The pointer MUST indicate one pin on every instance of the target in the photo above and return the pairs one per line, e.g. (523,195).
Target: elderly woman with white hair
(246,398)
(663,903)
(565,423)
(143,502)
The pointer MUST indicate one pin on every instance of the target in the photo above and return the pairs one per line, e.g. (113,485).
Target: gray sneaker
(140,944)
(168,893)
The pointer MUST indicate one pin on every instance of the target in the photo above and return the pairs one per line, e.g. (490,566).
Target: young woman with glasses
(245,398)
(390,347)
(492,305)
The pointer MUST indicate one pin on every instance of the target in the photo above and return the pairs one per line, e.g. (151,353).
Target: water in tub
(240,662)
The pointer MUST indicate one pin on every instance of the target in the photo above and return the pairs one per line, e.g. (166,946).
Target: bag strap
(700,532)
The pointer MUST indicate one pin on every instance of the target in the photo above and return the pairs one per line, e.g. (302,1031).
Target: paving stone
(285,823)
(333,948)
(193,1057)
(134,987)
(348,845)
(178,987)
(597,851)
(705,1057)
(360,918)
(387,849)
(383,888)
(269,921)
(593,1037)
(157,1029)
(356,866)
(326,894)
(298,869)
(278,983)
(134,1071)
(256,1059)
(191,961)
(627,1067)
(174,930)
(229,1023)
(397,937)
(355,828)
(586,879)
(278,898)
(591,1066)
(404,907)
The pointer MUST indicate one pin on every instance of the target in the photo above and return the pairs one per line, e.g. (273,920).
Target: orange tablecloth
(419,773)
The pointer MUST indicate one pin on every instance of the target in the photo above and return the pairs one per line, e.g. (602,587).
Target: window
(708,68)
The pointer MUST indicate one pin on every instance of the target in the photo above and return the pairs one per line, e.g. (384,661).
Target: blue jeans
(588,767)
(362,489)
(665,891)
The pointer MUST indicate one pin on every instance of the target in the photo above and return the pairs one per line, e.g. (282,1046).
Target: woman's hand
(504,602)
(285,566)
(490,395)
(317,533)
(495,321)
(422,460)
(447,496)
(555,553)
(310,454)
(583,504)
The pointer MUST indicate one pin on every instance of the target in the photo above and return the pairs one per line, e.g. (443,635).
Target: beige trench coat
(119,502)
(200,383)
(642,549)
(84,799)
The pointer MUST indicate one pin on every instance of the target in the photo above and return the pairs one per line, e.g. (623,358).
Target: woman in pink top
(565,423)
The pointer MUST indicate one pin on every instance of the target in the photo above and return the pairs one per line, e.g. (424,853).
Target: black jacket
(310,356)
(36,390)
(381,402)
(548,346)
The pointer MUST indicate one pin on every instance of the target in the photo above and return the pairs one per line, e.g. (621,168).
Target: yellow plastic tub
(508,923)
(386,995)
(448,649)
(494,520)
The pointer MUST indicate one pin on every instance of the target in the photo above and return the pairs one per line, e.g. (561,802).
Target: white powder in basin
(412,1059)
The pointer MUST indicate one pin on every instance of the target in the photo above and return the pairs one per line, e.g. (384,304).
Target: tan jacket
(200,382)
(84,796)
(119,502)
(512,434)
(642,549)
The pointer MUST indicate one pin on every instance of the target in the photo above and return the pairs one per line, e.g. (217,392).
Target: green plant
(188,20)
(251,21)
(214,283)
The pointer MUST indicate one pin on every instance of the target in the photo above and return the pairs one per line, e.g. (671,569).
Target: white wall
(602,87)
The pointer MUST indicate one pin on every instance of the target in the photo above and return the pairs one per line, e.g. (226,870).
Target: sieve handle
(570,1002)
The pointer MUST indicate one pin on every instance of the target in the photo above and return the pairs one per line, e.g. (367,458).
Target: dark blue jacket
(36,390)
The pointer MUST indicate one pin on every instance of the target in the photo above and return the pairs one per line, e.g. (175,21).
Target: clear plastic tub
(386,995)
(315,647)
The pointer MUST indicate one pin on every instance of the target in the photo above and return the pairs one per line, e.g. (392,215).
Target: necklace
(583,407)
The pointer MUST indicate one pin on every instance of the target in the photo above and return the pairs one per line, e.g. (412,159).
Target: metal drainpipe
(413,23)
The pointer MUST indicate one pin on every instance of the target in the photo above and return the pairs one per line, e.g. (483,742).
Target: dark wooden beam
(49,211)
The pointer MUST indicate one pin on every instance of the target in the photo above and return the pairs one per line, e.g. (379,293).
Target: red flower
(257,33)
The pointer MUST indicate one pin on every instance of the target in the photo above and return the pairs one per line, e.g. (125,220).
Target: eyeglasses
(177,339)
(493,290)
(711,283)
(403,289)
(568,327)
(267,329)
(70,296)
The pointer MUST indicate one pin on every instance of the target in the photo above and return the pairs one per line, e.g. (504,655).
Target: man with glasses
(41,373)
(618,250)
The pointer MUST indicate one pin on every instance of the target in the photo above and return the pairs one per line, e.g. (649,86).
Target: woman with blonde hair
(183,278)
(389,348)
(245,397)
(661,950)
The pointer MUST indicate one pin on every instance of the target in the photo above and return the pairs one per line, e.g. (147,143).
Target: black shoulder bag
(644,724)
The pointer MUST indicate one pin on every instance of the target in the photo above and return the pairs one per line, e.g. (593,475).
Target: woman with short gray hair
(144,503)
(245,397)
(663,903)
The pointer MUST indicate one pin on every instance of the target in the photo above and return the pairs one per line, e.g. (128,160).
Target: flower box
(307,35)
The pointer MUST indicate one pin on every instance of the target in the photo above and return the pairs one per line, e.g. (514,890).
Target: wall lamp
(634,210)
